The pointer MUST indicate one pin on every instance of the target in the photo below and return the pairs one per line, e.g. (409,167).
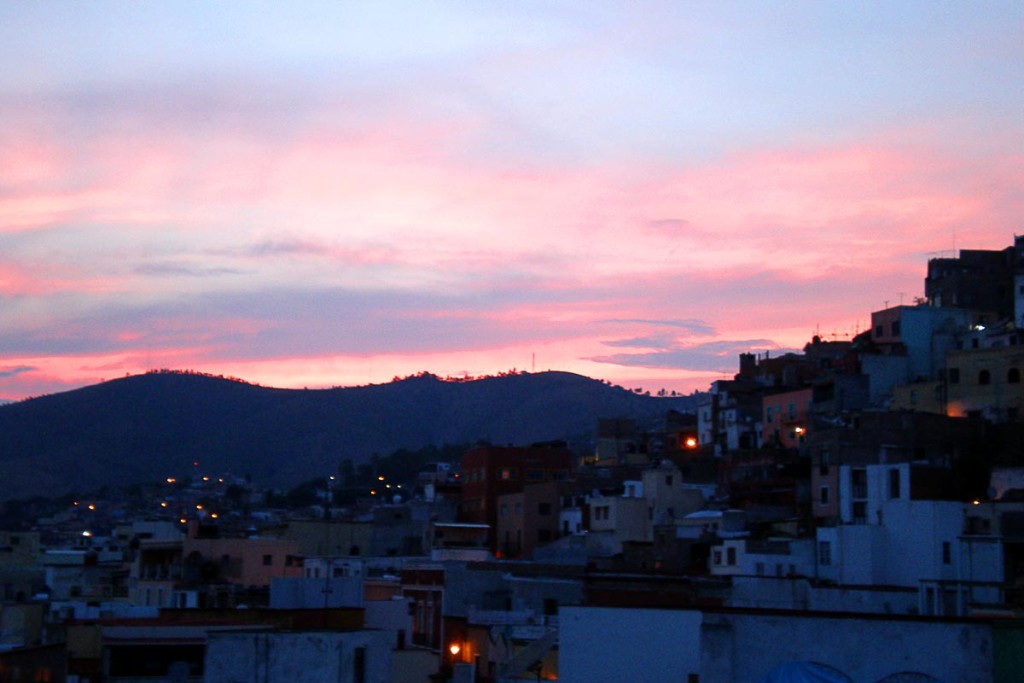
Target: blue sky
(317,194)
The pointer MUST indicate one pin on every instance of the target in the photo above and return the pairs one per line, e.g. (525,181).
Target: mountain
(152,426)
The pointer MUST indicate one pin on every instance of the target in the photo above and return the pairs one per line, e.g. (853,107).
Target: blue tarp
(805,672)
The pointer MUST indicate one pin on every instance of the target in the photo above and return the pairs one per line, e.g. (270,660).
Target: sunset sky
(317,194)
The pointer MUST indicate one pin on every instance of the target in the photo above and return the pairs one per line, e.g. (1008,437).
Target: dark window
(824,495)
(860,512)
(954,375)
(730,555)
(824,553)
(543,535)
(879,331)
(896,328)
(1013,376)
(947,553)
(668,480)
(894,483)
(359,665)
(535,475)
(268,560)
(543,508)
(984,377)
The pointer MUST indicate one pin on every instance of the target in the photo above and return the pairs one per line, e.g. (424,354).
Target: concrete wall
(608,645)
(599,644)
(302,593)
(798,594)
(311,657)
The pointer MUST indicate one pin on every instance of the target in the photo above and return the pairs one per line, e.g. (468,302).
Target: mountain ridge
(148,427)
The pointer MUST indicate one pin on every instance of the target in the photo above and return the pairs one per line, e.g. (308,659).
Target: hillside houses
(859,494)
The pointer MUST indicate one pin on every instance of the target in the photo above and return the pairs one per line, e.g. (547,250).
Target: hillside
(147,427)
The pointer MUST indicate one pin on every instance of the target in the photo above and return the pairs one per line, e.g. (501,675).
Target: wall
(311,657)
(621,644)
(609,645)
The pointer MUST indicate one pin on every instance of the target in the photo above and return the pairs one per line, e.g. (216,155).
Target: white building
(609,645)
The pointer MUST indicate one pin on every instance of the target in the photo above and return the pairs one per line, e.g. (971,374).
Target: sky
(333,194)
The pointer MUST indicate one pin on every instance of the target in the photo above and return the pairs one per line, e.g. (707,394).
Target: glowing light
(75,503)
(92,506)
(975,502)
(206,479)
(199,507)
(163,504)
(182,520)
(171,480)
(690,442)
(799,430)
(454,649)
(221,480)
(195,463)
(380,478)
(373,493)
(214,515)
(87,533)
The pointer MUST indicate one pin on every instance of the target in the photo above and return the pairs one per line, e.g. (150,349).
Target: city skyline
(331,194)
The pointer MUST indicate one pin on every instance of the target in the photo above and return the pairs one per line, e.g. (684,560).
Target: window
(947,553)
(768,414)
(359,665)
(984,377)
(759,568)
(894,483)
(824,553)
(879,330)
(895,328)
(823,497)
(954,375)
(730,555)
(668,480)
(544,509)
(718,557)
(535,475)
(543,535)
(507,474)
(860,512)
(1013,376)
(792,411)
(503,510)
(268,560)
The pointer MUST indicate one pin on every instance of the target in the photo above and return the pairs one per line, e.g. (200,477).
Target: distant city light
(454,649)
(171,480)
(87,533)
(195,463)
(380,478)
(690,442)
(976,502)
(92,506)
(199,507)
(799,430)
(206,479)
(182,520)
(221,480)
(163,504)
(214,515)
(75,503)
(373,493)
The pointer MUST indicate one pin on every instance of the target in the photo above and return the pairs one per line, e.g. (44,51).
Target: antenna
(533,362)
(902,294)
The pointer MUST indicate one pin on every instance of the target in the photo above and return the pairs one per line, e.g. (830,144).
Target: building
(491,471)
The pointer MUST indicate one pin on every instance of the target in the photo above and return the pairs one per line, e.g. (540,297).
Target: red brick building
(492,471)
